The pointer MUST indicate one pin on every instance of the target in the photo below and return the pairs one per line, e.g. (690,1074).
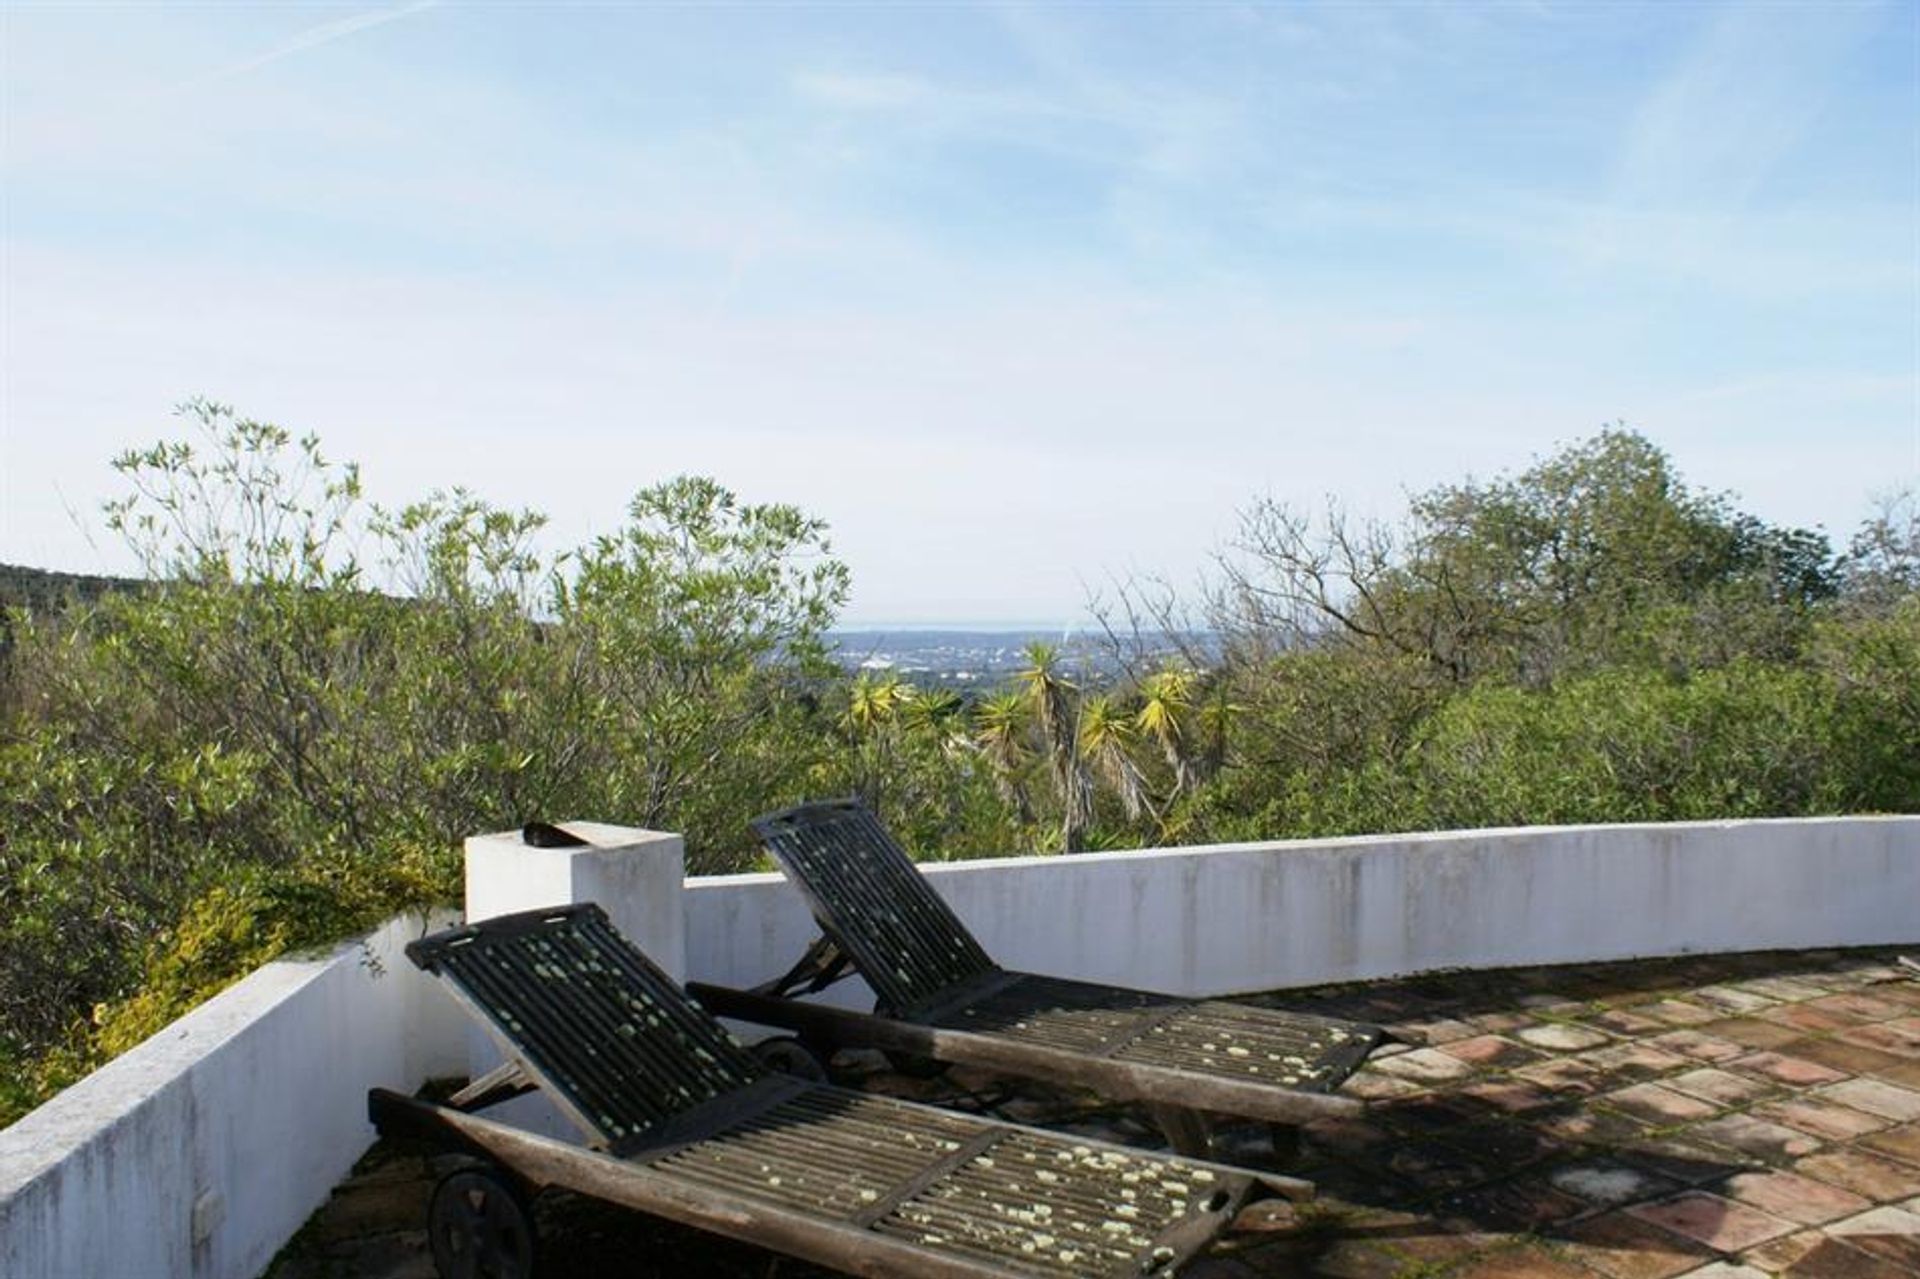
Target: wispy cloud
(1709,135)
(312,38)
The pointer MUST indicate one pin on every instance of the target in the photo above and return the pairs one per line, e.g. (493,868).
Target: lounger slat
(596,1019)
(873,903)
(904,939)
(1215,1037)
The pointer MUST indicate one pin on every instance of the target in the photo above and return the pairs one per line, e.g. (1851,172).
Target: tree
(1050,701)
(1166,707)
(1881,568)
(697,623)
(1106,738)
(1000,733)
(1597,554)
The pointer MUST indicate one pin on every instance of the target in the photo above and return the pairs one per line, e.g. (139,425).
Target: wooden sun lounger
(686,1125)
(941,997)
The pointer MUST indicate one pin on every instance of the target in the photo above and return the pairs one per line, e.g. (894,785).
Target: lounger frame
(940,996)
(706,1137)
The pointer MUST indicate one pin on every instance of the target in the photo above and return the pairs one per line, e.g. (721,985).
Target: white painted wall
(1243,917)
(200,1152)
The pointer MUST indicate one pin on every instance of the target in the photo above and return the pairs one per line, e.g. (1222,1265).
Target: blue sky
(1018,298)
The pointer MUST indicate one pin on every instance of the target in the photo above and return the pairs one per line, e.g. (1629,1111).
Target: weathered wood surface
(1122,1080)
(975,1205)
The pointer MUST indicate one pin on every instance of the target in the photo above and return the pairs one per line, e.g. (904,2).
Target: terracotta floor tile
(1718,1086)
(1371,1085)
(1725,1270)
(1563,1038)
(1906,1073)
(1889,1234)
(1857,1007)
(1879,1179)
(1751,1031)
(1905,991)
(1684,1162)
(1618,1245)
(1561,1074)
(1756,1137)
(1854,1059)
(1777,1255)
(1719,1223)
(1785,989)
(1889,1101)
(1902,1143)
(1797,1071)
(1700,1047)
(1622,1022)
(1435,1031)
(1823,1119)
(1657,1104)
(1831,1258)
(1510,1096)
(1595,1127)
(1808,1019)
(1901,1038)
(1632,1062)
(1793,1197)
(1490,1050)
(1879,1221)
(1677,1012)
(1732,1000)
(1425,1065)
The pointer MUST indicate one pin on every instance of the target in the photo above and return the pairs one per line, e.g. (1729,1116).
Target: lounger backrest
(869,898)
(592,1019)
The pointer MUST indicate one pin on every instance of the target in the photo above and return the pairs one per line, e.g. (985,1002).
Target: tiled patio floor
(1724,1117)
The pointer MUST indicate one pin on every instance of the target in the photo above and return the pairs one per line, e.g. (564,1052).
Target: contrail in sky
(312,38)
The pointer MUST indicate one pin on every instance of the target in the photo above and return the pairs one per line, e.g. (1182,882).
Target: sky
(1021,299)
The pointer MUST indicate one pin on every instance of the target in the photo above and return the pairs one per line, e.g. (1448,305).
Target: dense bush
(261,750)
(280,737)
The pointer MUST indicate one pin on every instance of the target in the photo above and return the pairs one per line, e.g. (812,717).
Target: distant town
(962,659)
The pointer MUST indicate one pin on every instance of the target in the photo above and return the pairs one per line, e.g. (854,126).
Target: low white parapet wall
(1242,917)
(200,1152)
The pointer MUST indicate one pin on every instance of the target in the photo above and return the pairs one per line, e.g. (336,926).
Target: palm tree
(1215,716)
(1050,698)
(873,704)
(1000,733)
(935,714)
(1107,735)
(1166,702)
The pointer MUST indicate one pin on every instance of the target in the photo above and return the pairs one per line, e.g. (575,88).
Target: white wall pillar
(635,875)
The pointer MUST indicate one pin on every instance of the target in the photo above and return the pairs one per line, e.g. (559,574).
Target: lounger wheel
(791,1056)
(480,1226)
